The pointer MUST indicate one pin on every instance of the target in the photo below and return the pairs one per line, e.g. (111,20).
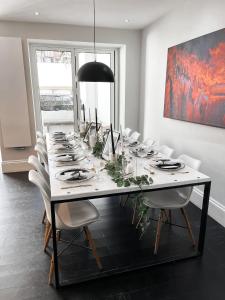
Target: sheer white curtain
(96,94)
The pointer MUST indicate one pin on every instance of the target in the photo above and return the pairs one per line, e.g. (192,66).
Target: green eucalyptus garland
(115,170)
(98,148)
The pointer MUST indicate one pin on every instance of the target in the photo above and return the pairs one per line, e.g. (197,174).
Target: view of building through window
(96,94)
(56,89)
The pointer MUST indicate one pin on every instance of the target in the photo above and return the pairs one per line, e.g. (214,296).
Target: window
(100,94)
(57,95)
(55,89)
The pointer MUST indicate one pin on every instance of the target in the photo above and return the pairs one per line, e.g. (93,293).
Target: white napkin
(63,158)
(129,169)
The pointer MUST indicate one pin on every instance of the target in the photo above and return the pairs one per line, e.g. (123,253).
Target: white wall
(131,39)
(188,21)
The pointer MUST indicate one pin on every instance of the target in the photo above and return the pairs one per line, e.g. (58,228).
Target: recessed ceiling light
(37,13)
(126,20)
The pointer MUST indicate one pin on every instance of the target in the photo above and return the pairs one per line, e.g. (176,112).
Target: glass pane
(96,94)
(55,86)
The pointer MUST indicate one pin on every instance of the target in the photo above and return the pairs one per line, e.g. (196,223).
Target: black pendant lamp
(95,71)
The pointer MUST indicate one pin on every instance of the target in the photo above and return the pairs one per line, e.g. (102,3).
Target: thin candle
(89,115)
(121,138)
(96,119)
(112,140)
(84,113)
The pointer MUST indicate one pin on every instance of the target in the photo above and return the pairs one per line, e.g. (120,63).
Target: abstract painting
(195,81)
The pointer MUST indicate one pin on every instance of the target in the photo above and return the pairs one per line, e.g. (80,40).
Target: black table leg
(205,206)
(57,285)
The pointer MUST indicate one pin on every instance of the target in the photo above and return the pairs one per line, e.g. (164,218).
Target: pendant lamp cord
(94,30)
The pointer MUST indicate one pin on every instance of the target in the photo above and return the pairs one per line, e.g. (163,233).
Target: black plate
(74,171)
(169,166)
(134,144)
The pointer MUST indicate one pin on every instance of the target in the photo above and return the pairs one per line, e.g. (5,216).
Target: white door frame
(33,47)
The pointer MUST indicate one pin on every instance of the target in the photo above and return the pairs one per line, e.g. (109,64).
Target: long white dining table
(103,186)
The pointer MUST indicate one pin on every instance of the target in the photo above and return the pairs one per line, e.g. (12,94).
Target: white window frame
(114,109)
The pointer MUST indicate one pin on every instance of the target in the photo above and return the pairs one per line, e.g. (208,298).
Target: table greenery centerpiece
(115,170)
(98,148)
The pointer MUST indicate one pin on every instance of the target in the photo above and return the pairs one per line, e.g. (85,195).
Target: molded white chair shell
(151,144)
(190,161)
(174,198)
(39,134)
(126,132)
(167,151)
(148,142)
(42,154)
(34,161)
(134,137)
(166,199)
(69,215)
(42,142)
(194,164)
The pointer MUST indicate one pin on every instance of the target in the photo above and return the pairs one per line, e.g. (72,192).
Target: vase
(92,140)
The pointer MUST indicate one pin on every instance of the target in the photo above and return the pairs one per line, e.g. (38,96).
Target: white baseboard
(216,209)
(11,166)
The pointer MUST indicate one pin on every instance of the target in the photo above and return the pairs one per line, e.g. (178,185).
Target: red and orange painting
(195,81)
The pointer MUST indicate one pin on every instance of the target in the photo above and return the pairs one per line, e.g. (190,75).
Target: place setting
(143,152)
(133,144)
(61,137)
(75,175)
(65,147)
(68,158)
(170,166)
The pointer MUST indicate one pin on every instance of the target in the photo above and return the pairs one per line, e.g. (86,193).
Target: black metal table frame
(201,239)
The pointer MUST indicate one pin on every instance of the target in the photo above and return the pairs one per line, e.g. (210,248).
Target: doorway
(58,96)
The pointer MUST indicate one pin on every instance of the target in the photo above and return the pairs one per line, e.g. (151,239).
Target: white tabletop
(102,184)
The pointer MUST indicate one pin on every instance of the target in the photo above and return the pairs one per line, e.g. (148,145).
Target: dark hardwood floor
(24,266)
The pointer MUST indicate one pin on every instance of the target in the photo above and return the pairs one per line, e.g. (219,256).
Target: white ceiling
(109,13)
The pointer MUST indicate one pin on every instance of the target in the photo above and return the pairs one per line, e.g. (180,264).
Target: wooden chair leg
(48,237)
(44,217)
(58,235)
(165,217)
(139,221)
(93,247)
(190,232)
(123,200)
(85,234)
(51,270)
(157,239)
(47,226)
(134,213)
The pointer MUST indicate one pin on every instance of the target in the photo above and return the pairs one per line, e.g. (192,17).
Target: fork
(75,186)
(184,172)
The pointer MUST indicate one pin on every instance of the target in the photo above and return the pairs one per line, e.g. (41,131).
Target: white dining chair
(36,164)
(39,134)
(42,142)
(34,161)
(149,143)
(172,199)
(68,216)
(126,132)
(167,151)
(42,155)
(134,137)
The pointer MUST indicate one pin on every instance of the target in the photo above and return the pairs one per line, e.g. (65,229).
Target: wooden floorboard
(24,266)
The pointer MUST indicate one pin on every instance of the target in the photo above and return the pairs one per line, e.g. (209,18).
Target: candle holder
(92,140)
(82,129)
(113,157)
